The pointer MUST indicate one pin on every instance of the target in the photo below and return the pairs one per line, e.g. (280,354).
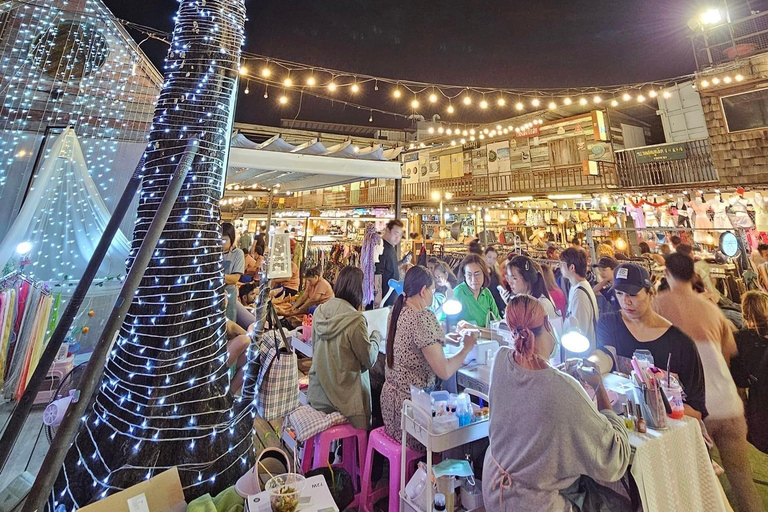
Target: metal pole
(269,217)
(398,198)
(92,375)
(21,411)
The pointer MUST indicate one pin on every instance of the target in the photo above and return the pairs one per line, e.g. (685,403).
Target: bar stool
(380,442)
(318,449)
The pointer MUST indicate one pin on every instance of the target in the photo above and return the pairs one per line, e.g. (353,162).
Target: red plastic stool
(380,442)
(318,449)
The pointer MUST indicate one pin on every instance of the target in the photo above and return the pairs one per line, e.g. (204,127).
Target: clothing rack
(28,313)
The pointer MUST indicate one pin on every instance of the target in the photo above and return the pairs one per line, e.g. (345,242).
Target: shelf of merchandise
(300,346)
(417,423)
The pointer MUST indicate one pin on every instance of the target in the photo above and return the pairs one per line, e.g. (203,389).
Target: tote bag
(277,384)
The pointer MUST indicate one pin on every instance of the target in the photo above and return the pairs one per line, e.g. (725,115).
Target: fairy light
(483,104)
(415,104)
(501,102)
(311,81)
(331,86)
(567,101)
(165,389)
(652,93)
(614,103)
(266,72)
(397,93)
(467,100)
(597,99)
(433,98)
(583,101)
(666,94)
(355,88)
(283,100)
(450,109)
(552,105)
(535,102)
(627,96)
(519,106)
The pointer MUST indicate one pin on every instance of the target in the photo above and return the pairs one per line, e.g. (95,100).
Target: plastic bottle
(628,421)
(463,410)
(439,505)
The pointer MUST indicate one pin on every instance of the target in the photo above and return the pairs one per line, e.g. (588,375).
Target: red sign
(527,132)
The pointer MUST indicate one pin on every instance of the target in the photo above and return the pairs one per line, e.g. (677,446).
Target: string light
(483,104)
(667,94)
(467,100)
(283,100)
(415,104)
(519,106)
(583,101)
(450,109)
(397,93)
(266,72)
(311,81)
(433,98)
(627,96)
(614,103)
(652,93)
(288,82)
(567,101)
(501,101)
(355,88)
(552,105)
(332,86)
(535,102)
(597,99)
(166,380)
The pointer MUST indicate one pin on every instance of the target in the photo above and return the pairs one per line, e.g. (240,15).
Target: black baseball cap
(606,262)
(630,278)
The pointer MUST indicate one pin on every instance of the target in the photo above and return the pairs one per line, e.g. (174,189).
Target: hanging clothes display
(683,215)
(740,217)
(651,220)
(27,312)
(701,221)
(637,214)
(761,212)
(718,206)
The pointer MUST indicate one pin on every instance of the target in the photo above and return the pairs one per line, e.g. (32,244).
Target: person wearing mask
(234,266)
(388,265)
(343,353)
(750,366)
(583,311)
(638,327)
(415,354)
(709,329)
(531,468)
(606,296)
(317,292)
(445,280)
(478,305)
(558,297)
(525,278)
(492,261)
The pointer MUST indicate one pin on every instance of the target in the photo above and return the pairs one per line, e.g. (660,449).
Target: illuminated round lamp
(435,195)
(24,248)
(710,240)
(561,219)
(515,219)
(621,244)
(452,307)
(611,219)
(443,234)
(574,341)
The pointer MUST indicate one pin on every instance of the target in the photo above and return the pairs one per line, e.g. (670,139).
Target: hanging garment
(667,219)
(651,219)
(740,218)
(701,221)
(637,214)
(721,219)
(761,213)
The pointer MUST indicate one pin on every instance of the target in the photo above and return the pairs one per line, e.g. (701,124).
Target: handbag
(277,384)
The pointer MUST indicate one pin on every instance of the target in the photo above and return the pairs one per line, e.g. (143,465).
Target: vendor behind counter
(478,304)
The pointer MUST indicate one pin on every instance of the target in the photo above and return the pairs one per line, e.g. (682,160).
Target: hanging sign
(527,132)
(473,144)
(729,244)
(661,154)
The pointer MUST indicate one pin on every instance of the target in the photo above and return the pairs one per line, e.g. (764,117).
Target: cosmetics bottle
(628,421)
(640,422)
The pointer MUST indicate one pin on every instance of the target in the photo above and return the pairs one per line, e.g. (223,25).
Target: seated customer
(343,353)
(478,305)
(445,280)
(247,294)
(287,285)
(318,291)
(415,354)
(638,327)
(545,435)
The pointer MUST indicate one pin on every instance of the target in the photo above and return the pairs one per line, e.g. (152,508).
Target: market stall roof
(308,166)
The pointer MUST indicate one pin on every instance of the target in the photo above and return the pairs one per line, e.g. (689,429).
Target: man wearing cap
(606,296)
(638,327)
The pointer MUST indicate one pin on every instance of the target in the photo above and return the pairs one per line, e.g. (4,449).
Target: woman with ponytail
(415,354)
(547,440)
(524,276)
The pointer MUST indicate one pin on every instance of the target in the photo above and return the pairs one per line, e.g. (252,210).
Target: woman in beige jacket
(343,353)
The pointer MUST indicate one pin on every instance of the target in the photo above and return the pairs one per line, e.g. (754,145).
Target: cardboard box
(316,497)
(162,493)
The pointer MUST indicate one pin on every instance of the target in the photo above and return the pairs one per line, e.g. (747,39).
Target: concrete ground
(759,462)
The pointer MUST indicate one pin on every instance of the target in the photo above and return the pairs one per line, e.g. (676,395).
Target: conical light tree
(165,399)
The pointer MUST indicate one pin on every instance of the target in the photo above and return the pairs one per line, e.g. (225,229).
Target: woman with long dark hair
(525,277)
(234,266)
(415,354)
(343,353)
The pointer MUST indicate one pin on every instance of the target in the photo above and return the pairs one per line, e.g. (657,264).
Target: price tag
(138,503)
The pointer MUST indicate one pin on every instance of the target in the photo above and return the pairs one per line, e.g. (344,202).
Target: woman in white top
(524,277)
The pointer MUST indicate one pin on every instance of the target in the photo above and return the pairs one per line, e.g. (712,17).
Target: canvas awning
(308,166)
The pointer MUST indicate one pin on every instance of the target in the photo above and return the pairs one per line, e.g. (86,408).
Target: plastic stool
(318,449)
(380,442)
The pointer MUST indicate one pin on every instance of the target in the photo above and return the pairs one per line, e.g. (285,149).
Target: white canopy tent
(308,166)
